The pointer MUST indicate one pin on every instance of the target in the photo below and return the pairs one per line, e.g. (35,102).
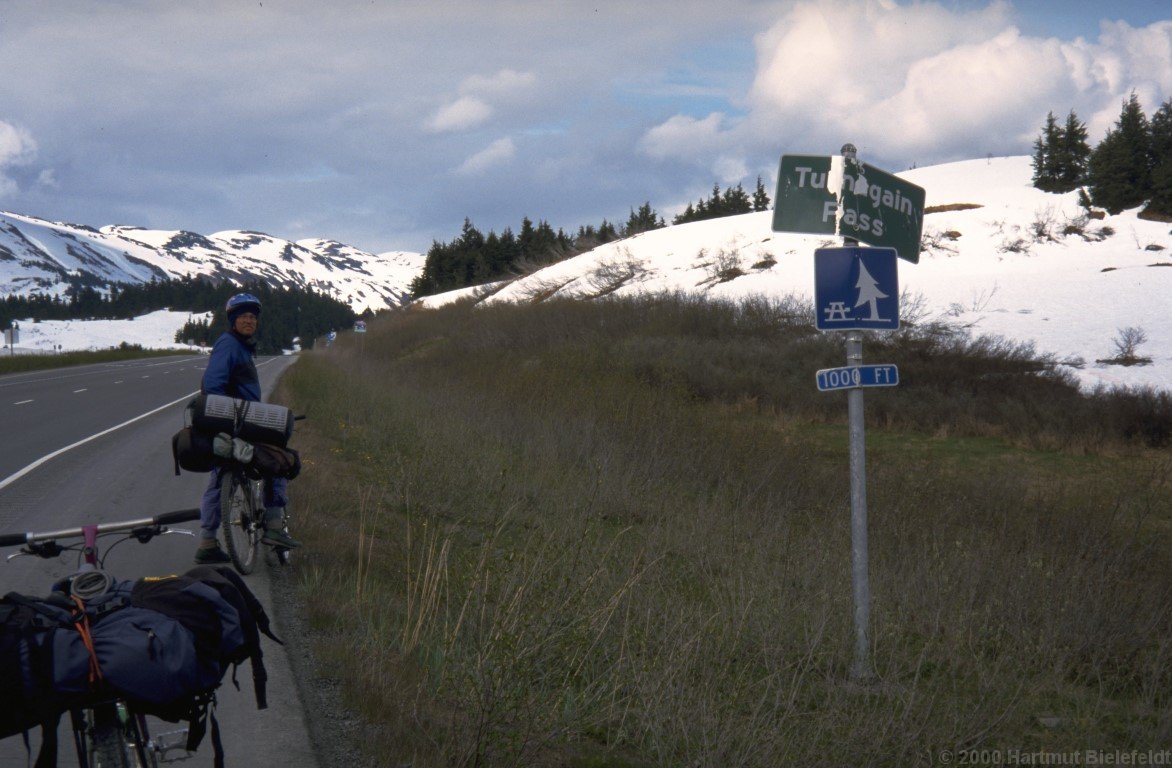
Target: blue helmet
(241,302)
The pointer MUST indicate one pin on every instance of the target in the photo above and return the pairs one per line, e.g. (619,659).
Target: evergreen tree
(1161,146)
(760,197)
(643,220)
(1075,152)
(1047,149)
(1119,172)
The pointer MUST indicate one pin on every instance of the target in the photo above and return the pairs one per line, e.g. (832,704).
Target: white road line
(83,389)
(22,402)
(14,477)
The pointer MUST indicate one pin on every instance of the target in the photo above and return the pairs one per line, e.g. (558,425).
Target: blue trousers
(276,495)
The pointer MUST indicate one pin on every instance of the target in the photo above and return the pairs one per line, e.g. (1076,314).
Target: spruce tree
(760,197)
(1047,149)
(1161,135)
(643,220)
(1072,167)
(1119,173)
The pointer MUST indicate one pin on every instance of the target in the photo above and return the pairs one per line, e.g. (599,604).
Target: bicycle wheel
(240,520)
(115,740)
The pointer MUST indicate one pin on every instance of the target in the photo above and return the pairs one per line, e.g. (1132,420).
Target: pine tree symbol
(869,293)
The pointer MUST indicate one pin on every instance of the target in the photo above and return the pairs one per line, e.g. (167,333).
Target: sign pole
(860,568)
(861,670)
(855,290)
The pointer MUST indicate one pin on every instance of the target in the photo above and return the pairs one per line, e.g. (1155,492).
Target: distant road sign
(856,289)
(823,195)
(852,376)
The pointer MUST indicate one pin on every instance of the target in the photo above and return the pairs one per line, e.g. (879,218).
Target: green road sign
(819,194)
(802,202)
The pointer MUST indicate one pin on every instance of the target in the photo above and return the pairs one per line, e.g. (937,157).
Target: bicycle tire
(115,740)
(240,521)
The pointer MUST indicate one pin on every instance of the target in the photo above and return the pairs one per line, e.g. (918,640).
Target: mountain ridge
(41,256)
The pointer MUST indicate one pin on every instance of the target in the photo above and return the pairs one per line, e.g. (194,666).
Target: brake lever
(44,549)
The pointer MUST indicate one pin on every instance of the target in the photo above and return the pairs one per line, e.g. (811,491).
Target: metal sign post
(856,289)
(860,559)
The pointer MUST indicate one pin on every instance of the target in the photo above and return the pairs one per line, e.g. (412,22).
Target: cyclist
(232,372)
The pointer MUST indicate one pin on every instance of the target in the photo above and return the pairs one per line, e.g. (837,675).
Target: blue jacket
(231,370)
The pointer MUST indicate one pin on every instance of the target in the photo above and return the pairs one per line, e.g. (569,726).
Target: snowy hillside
(46,257)
(1016,262)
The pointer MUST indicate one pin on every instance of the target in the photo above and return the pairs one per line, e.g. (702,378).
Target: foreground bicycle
(109,731)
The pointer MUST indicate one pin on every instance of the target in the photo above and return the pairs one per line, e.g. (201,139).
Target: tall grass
(617,534)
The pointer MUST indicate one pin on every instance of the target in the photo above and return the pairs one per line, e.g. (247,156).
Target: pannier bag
(273,461)
(196,452)
(163,644)
(248,420)
(193,451)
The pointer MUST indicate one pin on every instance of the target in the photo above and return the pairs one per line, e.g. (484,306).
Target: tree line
(1131,166)
(474,258)
(287,312)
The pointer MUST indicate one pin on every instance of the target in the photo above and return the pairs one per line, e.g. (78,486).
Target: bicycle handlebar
(166,518)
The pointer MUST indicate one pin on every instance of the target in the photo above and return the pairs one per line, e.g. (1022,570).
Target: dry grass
(604,535)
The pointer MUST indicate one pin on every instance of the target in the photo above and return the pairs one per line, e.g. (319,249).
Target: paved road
(106,430)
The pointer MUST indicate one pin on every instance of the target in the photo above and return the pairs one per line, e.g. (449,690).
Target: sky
(385,124)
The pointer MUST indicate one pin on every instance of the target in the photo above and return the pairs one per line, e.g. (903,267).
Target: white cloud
(500,151)
(506,83)
(919,83)
(48,179)
(17,147)
(464,113)
(682,136)
(480,96)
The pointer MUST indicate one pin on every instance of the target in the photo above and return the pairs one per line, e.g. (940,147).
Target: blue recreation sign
(856,289)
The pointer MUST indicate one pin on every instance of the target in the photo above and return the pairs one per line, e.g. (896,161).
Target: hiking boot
(211,556)
(275,537)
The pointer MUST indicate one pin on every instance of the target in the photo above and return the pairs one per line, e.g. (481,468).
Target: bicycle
(109,732)
(242,518)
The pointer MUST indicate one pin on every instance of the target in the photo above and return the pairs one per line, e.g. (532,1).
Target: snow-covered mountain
(999,256)
(46,257)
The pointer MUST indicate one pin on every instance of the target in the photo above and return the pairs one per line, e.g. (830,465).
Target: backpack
(26,670)
(242,618)
(269,461)
(163,644)
(192,450)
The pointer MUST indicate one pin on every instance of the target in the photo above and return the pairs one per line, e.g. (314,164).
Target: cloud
(681,136)
(507,83)
(16,148)
(500,151)
(472,109)
(919,83)
(464,113)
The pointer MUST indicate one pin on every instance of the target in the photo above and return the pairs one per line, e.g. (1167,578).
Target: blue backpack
(162,644)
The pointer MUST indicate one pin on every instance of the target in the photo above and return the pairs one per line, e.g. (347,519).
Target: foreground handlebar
(166,518)
(178,516)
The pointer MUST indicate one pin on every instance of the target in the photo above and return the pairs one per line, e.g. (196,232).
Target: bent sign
(834,195)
